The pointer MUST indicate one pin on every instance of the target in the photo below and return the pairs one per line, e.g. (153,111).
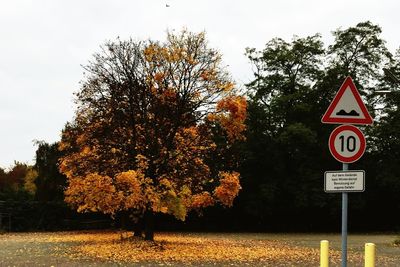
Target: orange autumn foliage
(144,135)
(129,189)
(233,116)
(202,200)
(228,189)
(101,192)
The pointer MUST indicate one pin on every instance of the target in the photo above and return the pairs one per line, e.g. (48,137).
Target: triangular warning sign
(347,107)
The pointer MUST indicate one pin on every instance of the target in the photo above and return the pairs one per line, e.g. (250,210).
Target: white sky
(43,44)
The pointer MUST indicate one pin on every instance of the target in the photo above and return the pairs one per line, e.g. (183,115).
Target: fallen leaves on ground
(170,248)
(183,249)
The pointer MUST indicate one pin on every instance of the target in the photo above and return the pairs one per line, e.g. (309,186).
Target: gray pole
(344,222)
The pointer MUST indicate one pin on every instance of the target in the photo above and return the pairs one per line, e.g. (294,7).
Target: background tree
(282,118)
(15,182)
(30,177)
(286,147)
(42,181)
(144,136)
(49,182)
(384,143)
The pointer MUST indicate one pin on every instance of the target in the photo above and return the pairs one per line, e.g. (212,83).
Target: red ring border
(333,151)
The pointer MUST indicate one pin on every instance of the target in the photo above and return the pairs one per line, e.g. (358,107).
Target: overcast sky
(44,43)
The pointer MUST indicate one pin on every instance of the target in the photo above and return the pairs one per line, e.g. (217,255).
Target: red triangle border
(348,82)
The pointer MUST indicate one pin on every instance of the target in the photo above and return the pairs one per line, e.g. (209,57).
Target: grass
(111,248)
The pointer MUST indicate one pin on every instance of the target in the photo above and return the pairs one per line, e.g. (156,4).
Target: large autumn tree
(152,131)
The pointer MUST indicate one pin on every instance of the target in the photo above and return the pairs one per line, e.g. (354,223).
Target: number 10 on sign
(347,143)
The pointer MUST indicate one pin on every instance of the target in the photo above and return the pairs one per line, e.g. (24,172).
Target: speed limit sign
(347,143)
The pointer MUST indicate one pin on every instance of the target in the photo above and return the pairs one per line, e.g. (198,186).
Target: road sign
(344,181)
(347,107)
(347,143)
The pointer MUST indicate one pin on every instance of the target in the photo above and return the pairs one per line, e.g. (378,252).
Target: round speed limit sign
(347,143)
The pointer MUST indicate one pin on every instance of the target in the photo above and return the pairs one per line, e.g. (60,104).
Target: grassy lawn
(111,248)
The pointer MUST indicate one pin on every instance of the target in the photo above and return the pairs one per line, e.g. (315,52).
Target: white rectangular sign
(344,181)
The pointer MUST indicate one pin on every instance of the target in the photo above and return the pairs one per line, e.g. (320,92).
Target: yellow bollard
(369,255)
(324,256)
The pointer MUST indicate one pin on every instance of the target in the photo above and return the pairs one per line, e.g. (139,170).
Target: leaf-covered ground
(111,248)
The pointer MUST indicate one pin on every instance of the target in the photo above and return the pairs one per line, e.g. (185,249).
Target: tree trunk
(149,225)
(138,228)
(123,224)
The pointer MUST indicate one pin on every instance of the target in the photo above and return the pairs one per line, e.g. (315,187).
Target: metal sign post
(345,203)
